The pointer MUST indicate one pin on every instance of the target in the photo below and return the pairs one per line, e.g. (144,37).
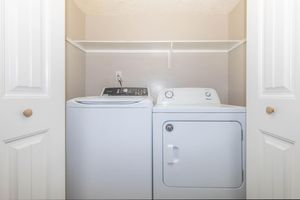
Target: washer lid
(201,108)
(109,101)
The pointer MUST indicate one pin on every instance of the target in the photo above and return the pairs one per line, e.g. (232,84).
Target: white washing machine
(198,146)
(109,145)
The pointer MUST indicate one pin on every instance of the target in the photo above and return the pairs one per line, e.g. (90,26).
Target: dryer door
(202,154)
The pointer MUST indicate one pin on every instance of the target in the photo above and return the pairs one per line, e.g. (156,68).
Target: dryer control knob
(169,94)
(169,127)
(207,94)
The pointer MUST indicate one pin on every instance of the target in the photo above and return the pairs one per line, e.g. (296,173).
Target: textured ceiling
(135,7)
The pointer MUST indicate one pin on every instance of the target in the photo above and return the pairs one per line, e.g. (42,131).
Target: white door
(32,145)
(273,136)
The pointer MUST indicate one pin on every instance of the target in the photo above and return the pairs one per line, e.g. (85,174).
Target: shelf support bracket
(170,52)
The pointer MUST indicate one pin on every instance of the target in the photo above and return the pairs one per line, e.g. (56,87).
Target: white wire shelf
(217,46)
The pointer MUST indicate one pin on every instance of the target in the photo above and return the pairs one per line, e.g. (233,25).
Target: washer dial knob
(169,94)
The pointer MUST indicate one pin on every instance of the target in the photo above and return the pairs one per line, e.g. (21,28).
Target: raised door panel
(26,47)
(276,60)
(25,166)
(277,166)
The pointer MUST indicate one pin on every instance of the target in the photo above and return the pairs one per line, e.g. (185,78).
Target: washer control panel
(125,91)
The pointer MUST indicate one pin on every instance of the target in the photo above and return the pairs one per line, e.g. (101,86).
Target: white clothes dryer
(109,145)
(198,146)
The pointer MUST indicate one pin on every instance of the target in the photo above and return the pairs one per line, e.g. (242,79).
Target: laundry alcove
(157,44)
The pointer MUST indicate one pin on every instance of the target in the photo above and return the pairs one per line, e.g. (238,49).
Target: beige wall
(188,70)
(75,21)
(237,21)
(88,74)
(237,76)
(157,27)
(75,72)
(237,58)
(75,59)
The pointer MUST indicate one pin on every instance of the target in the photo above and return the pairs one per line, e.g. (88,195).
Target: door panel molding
(15,141)
(26,47)
(276,50)
(277,166)
(278,137)
(27,166)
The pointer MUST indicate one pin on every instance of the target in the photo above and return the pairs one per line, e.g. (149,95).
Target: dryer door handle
(172,154)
